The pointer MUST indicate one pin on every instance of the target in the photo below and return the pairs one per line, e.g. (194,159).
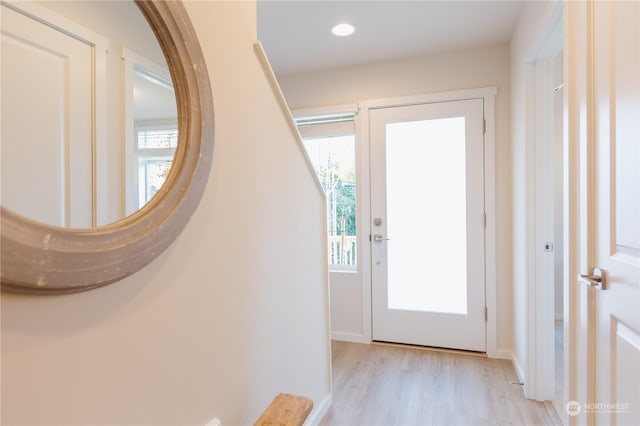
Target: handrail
(275,86)
(286,410)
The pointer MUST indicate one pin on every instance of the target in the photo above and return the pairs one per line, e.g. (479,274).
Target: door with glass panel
(427,230)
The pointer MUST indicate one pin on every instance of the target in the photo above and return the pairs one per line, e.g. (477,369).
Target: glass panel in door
(426,214)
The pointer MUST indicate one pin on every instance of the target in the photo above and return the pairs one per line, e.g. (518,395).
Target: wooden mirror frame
(41,258)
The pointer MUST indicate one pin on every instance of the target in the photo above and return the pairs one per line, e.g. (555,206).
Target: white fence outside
(342,250)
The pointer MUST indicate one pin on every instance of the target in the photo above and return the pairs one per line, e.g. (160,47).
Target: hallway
(382,384)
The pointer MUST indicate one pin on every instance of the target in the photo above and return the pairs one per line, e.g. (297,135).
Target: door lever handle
(378,238)
(597,278)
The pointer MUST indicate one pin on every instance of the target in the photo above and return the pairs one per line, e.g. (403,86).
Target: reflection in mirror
(151,135)
(46,123)
(73,115)
(46,259)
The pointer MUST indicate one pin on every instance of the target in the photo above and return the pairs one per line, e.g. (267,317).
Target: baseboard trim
(518,369)
(350,337)
(500,354)
(315,417)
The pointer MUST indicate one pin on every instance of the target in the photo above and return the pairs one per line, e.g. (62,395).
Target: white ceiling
(153,99)
(296,34)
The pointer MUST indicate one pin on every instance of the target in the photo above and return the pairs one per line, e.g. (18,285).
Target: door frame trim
(539,374)
(487,94)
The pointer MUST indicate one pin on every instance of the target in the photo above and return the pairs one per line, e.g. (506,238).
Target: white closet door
(47,116)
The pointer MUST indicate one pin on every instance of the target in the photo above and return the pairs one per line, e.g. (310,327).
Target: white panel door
(616,216)
(47,120)
(427,209)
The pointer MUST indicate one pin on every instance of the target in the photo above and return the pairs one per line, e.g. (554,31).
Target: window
(155,146)
(331,147)
(151,129)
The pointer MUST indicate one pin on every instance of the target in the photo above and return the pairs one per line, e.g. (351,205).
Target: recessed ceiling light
(343,30)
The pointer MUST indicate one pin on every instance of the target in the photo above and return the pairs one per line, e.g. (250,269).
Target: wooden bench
(286,410)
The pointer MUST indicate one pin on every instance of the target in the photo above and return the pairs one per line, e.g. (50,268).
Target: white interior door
(604,211)
(427,210)
(615,236)
(47,121)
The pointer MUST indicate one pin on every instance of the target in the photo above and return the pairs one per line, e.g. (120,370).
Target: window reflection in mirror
(152,129)
(70,118)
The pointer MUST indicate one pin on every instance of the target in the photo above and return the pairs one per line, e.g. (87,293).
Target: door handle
(597,278)
(378,238)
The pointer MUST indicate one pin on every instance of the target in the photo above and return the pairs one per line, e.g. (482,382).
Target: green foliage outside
(341,198)
(333,158)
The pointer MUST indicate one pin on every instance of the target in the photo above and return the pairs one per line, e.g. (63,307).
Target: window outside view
(155,148)
(333,158)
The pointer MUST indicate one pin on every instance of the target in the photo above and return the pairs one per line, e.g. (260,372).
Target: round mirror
(153,177)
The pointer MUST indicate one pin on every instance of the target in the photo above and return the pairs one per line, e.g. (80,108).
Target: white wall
(532,22)
(234,312)
(427,74)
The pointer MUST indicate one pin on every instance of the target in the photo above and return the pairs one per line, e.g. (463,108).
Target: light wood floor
(395,385)
(559,373)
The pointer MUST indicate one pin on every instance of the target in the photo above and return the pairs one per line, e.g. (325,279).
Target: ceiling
(296,34)
(153,97)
